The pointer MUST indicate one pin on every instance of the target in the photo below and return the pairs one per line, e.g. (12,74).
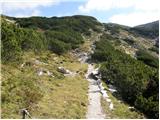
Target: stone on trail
(108,100)
(111,106)
(105,95)
(101,87)
(112,88)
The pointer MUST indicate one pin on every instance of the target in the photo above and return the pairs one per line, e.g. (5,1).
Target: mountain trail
(94,110)
(94,107)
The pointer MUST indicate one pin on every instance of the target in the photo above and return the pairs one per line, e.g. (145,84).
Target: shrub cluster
(137,82)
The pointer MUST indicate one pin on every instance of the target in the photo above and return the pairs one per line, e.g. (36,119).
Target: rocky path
(94,94)
(95,91)
(94,107)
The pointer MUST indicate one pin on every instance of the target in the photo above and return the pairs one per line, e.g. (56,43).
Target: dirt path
(94,107)
(94,95)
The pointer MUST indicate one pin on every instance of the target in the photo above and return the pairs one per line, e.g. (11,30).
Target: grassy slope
(121,110)
(62,97)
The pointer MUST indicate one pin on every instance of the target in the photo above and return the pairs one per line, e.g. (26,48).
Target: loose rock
(111,106)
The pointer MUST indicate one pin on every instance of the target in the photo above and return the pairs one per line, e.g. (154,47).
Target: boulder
(63,70)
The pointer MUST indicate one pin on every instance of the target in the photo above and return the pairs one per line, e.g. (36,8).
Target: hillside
(72,23)
(150,30)
(45,62)
(130,62)
(31,74)
(132,43)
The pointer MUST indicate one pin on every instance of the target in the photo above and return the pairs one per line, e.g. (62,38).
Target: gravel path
(94,95)
(94,107)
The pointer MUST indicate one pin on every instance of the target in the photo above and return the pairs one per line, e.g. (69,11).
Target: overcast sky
(125,12)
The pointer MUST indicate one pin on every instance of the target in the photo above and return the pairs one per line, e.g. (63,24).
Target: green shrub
(154,49)
(10,47)
(137,83)
(147,58)
(59,47)
(129,41)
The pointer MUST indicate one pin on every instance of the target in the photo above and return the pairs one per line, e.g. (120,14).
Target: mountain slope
(129,42)
(150,30)
(128,63)
(35,49)
(31,58)
(72,23)
(38,33)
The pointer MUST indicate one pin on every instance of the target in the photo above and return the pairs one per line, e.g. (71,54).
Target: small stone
(111,106)
(40,73)
(131,108)
(22,65)
(108,100)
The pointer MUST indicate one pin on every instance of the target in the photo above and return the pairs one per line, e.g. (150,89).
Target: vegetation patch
(132,78)
(121,109)
(45,96)
(154,49)
(147,58)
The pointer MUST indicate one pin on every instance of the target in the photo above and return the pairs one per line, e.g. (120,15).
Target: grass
(121,110)
(19,90)
(63,99)
(86,46)
(44,96)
